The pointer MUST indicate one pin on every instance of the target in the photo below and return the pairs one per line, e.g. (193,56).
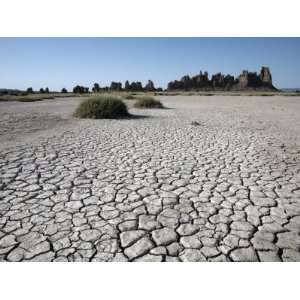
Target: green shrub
(147,102)
(34,98)
(102,107)
(129,97)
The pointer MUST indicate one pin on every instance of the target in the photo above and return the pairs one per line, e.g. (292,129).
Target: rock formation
(218,81)
(265,76)
(201,80)
(80,89)
(96,88)
(135,86)
(116,86)
(245,81)
(150,86)
(127,85)
(228,81)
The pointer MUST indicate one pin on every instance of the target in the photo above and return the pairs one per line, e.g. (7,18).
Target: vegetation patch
(102,107)
(28,98)
(129,97)
(24,97)
(147,102)
(33,99)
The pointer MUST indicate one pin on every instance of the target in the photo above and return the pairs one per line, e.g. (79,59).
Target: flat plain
(210,178)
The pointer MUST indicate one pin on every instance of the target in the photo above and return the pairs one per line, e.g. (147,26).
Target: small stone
(187,229)
(192,255)
(109,214)
(79,221)
(103,257)
(154,209)
(7,241)
(36,249)
(216,219)
(16,254)
(288,240)
(159,251)
(91,200)
(61,244)
(174,249)
(128,225)
(265,202)
(86,253)
(139,248)
(290,255)
(169,218)
(260,244)
(164,236)
(141,210)
(129,237)
(45,257)
(241,226)
(149,258)
(210,251)
(209,242)
(120,197)
(243,243)
(31,188)
(120,257)
(172,259)
(90,235)
(169,201)
(148,222)
(60,259)
(191,241)
(241,234)
(74,205)
(272,227)
(268,256)
(244,254)
(264,235)
(108,246)
(168,222)
(29,240)
(219,258)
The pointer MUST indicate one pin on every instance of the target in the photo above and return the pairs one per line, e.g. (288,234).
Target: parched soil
(212,178)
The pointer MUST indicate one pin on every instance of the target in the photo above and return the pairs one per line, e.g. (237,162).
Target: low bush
(26,98)
(147,102)
(34,98)
(102,107)
(129,97)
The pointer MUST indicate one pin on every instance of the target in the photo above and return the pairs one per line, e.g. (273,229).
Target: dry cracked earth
(209,179)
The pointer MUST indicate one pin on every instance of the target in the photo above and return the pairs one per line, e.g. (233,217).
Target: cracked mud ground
(210,179)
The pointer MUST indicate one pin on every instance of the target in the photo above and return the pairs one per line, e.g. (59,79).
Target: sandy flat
(153,187)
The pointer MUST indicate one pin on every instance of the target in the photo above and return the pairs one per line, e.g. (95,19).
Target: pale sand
(278,114)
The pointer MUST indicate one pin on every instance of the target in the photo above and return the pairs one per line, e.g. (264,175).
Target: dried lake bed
(211,178)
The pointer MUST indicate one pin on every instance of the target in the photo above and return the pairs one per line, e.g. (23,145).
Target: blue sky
(65,62)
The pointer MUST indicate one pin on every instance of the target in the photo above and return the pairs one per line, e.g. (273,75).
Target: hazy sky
(65,62)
